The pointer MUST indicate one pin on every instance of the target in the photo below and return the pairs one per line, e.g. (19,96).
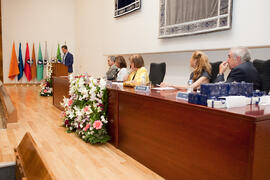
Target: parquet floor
(67,155)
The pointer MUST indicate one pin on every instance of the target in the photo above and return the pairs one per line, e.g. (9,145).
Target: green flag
(40,65)
(58,57)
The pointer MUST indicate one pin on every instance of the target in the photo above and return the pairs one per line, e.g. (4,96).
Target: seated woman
(138,73)
(111,74)
(201,73)
(123,73)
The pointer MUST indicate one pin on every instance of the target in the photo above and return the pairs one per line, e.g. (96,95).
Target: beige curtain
(180,11)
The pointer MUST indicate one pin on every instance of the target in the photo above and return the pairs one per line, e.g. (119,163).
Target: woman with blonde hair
(201,73)
(138,73)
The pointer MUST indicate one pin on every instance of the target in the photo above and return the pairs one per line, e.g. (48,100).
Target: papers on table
(163,88)
(117,83)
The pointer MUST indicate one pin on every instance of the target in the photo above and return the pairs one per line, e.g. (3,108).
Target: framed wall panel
(123,7)
(188,17)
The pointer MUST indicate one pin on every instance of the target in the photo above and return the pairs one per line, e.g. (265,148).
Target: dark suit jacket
(69,62)
(244,72)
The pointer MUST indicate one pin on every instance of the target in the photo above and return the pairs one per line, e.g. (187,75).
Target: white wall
(89,37)
(100,34)
(35,21)
(93,33)
(138,32)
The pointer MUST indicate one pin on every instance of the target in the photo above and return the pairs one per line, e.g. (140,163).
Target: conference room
(133,89)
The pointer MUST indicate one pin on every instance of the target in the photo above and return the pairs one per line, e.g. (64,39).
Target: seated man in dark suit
(241,68)
(67,59)
(111,74)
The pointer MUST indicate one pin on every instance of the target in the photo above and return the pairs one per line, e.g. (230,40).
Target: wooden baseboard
(22,84)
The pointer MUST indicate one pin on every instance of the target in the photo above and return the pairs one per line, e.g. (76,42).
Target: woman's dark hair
(137,60)
(121,61)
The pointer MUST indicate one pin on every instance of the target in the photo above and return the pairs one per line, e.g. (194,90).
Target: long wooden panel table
(183,141)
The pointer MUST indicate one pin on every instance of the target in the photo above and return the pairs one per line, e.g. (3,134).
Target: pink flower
(98,124)
(87,127)
(63,114)
(70,102)
(86,108)
(45,91)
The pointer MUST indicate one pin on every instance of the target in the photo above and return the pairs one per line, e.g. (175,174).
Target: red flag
(33,64)
(13,67)
(27,64)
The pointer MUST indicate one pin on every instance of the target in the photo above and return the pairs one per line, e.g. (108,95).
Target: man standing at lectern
(67,59)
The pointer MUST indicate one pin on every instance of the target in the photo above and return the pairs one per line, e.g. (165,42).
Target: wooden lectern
(59,69)
(60,83)
(60,89)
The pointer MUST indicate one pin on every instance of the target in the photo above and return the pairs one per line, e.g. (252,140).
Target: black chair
(214,71)
(263,68)
(157,73)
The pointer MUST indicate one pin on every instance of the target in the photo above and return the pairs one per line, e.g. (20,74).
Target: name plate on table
(145,89)
(182,95)
(216,103)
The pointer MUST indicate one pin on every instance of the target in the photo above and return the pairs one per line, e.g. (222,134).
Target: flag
(13,67)
(58,56)
(40,65)
(27,64)
(20,63)
(33,63)
(46,56)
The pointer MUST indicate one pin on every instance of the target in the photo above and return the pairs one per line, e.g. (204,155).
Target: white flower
(83,90)
(71,115)
(71,77)
(91,79)
(81,82)
(104,120)
(79,112)
(93,90)
(102,84)
(65,102)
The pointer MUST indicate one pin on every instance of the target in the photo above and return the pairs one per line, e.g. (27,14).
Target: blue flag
(21,68)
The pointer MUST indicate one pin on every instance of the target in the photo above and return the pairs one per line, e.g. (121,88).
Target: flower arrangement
(86,110)
(46,85)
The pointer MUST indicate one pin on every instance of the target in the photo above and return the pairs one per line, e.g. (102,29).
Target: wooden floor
(67,155)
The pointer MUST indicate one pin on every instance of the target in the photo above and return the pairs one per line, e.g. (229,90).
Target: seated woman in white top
(123,73)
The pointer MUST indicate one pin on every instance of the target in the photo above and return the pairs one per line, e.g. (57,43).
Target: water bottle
(143,81)
(190,89)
